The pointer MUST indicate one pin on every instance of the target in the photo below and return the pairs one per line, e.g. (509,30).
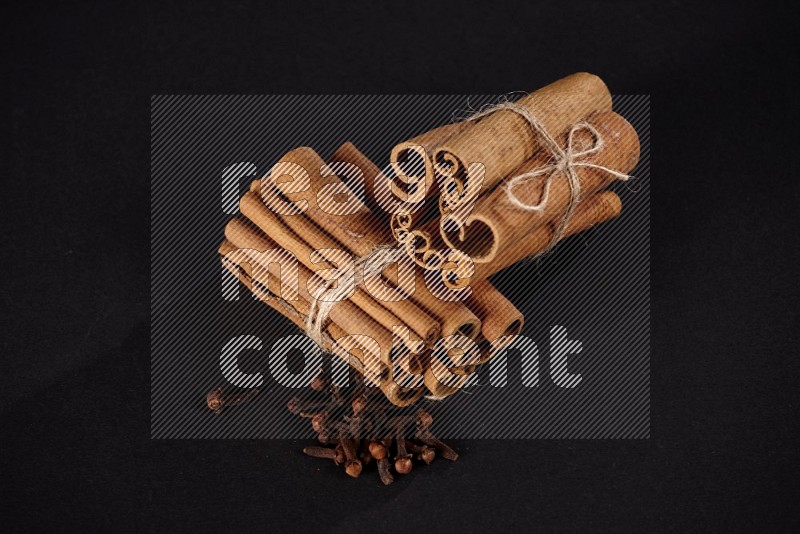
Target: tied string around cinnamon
(565,161)
(327,296)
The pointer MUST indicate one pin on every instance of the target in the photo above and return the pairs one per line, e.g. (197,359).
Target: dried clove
(319,382)
(402,461)
(356,428)
(428,455)
(217,400)
(432,441)
(423,452)
(340,458)
(383,471)
(320,452)
(214,400)
(305,407)
(424,419)
(352,465)
(318,422)
(378,450)
(358,405)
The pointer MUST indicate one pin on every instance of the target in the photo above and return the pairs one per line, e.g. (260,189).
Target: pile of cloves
(357,426)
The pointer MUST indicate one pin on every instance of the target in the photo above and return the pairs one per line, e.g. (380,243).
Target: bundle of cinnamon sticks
(389,271)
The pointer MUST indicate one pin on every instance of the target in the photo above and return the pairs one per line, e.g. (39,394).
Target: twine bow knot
(566,161)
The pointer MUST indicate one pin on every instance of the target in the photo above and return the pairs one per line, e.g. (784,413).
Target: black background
(75,412)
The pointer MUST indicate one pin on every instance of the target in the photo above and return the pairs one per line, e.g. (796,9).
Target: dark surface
(75,417)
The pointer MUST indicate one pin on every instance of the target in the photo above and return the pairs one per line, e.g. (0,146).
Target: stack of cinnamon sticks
(393,277)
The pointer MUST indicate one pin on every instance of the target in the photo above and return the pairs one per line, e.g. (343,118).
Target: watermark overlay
(579,368)
(278,369)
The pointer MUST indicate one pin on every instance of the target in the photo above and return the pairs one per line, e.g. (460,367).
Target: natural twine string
(321,309)
(565,161)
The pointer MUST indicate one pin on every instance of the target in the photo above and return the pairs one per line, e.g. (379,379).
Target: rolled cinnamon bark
(304,237)
(454,317)
(311,187)
(332,210)
(500,319)
(591,211)
(345,348)
(347,315)
(346,324)
(421,241)
(285,238)
(360,234)
(498,316)
(376,184)
(400,222)
(443,388)
(378,187)
(503,140)
(494,223)
(412,162)
(242,273)
(241,264)
(443,379)
(413,183)
(254,209)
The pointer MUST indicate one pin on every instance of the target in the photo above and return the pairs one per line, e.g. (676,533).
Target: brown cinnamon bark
(294,311)
(503,140)
(334,218)
(499,317)
(380,198)
(360,234)
(242,273)
(241,266)
(420,241)
(303,238)
(412,161)
(347,322)
(444,379)
(399,222)
(347,315)
(594,210)
(375,182)
(398,219)
(495,224)
(453,316)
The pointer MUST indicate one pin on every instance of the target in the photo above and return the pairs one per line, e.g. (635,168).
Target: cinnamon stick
(313,238)
(412,161)
(500,319)
(347,315)
(503,140)
(375,183)
(594,210)
(347,322)
(495,223)
(443,379)
(295,313)
(360,235)
(334,219)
